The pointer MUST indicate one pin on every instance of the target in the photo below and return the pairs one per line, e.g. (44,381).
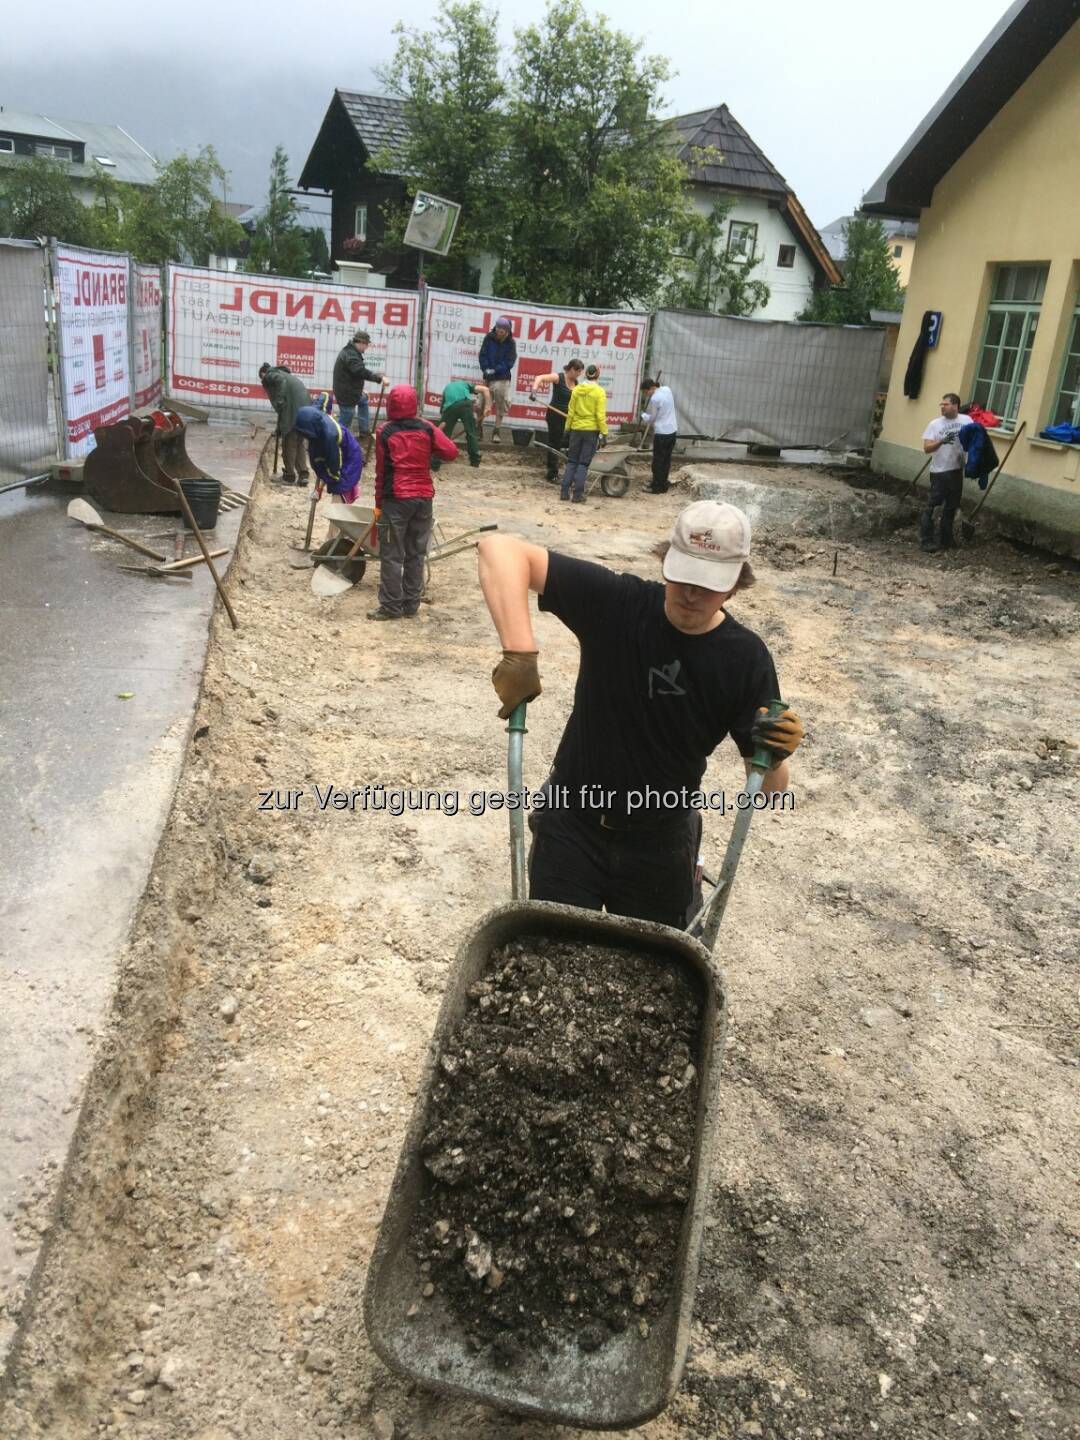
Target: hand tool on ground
(634,1375)
(206,553)
(967,527)
(85,513)
(176,569)
(707,921)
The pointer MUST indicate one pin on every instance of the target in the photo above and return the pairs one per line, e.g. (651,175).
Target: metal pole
(54,347)
(515,770)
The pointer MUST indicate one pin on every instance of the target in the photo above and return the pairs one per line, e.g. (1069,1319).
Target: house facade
(999,259)
(81,146)
(900,235)
(766,220)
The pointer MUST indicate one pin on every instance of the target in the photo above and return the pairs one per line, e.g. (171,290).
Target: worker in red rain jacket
(404,448)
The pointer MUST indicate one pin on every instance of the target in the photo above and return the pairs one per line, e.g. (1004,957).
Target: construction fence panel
(547,336)
(145,338)
(769,382)
(27,438)
(91,290)
(223,325)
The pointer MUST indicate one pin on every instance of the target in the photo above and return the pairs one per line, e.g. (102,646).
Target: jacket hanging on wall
(913,374)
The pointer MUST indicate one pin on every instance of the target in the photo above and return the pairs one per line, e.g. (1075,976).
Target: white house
(80,146)
(766,218)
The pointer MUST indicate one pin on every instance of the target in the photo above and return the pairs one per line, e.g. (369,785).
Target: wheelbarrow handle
(515,774)
(707,921)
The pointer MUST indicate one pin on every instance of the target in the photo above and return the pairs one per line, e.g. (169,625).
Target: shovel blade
(327,582)
(84,512)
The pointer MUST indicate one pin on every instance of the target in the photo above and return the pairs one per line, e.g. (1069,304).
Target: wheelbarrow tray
(355,522)
(629,1379)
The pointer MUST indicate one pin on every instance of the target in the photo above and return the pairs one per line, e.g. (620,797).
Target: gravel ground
(892,1243)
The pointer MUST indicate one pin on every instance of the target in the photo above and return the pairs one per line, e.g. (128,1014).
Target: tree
(37,200)
(712,278)
(595,196)
(318,252)
(448,75)
(279,244)
(177,218)
(870,282)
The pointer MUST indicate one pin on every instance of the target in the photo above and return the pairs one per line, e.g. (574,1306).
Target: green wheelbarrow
(630,1379)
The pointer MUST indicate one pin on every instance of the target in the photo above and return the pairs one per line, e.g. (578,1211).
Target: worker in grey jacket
(287,394)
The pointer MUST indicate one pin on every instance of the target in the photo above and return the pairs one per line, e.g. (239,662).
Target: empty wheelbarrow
(632,1375)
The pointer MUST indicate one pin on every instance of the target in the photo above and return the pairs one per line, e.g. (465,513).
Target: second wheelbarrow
(633,1375)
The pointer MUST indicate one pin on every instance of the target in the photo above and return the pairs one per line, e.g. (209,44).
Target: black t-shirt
(651,704)
(560,397)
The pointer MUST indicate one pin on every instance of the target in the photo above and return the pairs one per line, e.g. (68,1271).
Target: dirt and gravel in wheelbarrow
(540,1244)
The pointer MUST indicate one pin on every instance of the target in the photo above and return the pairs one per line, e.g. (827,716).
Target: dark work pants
(646,873)
(404,534)
(946,490)
(556,428)
(462,410)
(294,456)
(662,447)
(580,450)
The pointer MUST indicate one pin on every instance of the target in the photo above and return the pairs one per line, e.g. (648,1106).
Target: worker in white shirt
(659,412)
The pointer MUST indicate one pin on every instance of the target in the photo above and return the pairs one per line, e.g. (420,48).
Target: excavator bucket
(171,450)
(122,473)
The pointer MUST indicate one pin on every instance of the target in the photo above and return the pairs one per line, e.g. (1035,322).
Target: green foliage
(870,282)
(177,218)
(595,198)
(711,279)
(279,245)
(448,75)
(318,252)
(37,199)
(564,175)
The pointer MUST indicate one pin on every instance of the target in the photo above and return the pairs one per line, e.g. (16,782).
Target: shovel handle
(127,540)
(205,552)
(515,773)
(997,472)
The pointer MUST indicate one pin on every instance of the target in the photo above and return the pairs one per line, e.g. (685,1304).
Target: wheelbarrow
(629,1379)
(607,467)
(341,561)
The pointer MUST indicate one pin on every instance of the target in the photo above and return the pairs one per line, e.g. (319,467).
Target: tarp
(547,337)
(770,382)
(92,336)
(145,312)
(222,326)
(27,441)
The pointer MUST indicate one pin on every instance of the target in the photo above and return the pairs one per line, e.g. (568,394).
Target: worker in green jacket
(288,394)
(459,402)
(586,429)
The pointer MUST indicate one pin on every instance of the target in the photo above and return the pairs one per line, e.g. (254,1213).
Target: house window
(897,252)
(786,259)
(1066,409)
(742,240)
(1011,323)
(7,145)
(360,222)
(57,152)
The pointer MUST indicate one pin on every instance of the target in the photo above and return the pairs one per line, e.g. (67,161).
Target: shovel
(85,513)
(967,527)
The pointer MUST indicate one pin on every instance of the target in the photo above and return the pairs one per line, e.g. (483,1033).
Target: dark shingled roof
(742,166)
(379,120)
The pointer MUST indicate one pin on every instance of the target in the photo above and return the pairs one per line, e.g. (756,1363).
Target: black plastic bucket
(204,497)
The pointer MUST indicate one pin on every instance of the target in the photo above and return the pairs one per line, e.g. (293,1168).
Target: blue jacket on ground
(497,357)
(335,454)
(981,456)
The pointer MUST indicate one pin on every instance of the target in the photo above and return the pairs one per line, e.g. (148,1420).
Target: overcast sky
(830,90)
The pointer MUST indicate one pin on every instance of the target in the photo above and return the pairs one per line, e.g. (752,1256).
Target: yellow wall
(902,263)
(1010,198)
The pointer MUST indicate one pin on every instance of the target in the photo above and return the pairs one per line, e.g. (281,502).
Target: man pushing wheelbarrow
(665,673)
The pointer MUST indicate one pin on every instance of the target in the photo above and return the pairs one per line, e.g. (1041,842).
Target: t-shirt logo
(664,681)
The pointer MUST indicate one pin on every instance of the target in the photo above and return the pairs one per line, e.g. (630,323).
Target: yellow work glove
(782,734)
(516,678)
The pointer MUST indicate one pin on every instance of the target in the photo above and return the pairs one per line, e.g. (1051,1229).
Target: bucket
(204,497)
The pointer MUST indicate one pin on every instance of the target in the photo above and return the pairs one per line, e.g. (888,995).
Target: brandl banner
(92,329)
(145,334)
(223,326)
(547,336)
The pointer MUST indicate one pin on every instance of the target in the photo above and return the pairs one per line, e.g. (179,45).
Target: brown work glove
(782,734)
(516,678)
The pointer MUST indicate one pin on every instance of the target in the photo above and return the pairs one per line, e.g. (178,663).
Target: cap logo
(702,539)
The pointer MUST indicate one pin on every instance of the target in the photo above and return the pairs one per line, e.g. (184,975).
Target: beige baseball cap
(710,543)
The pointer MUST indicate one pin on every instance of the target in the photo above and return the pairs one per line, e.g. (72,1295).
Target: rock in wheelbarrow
(540,1244)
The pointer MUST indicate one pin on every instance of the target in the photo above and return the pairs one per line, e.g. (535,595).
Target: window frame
(781,264)
(360,230)
(7,145)
(50,151)
(748,225)
(1072,347)
(1030,312)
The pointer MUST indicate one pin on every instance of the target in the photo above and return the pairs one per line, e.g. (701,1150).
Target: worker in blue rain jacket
(334,452)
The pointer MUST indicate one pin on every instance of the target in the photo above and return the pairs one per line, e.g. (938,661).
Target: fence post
(59,409)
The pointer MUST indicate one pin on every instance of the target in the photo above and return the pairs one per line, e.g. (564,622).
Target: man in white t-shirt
(946,473)
(660,413)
